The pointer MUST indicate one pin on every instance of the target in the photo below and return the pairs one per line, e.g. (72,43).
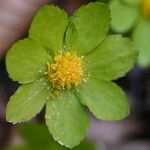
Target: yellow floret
(146,8)
(66,71)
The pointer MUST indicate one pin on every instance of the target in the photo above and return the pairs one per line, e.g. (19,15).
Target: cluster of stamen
(67,71)
(146,8)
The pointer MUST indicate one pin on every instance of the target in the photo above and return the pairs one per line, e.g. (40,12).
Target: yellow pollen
(146,8)
(66,71)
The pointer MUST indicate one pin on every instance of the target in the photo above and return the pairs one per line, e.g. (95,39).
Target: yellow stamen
(146,8)
(67,71)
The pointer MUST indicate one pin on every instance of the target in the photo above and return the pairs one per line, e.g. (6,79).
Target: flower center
(146,8)
(67,71)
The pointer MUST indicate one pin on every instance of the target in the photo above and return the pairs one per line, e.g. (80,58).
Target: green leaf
(48,27)
(111,59)
(88,27)
(26,61)
(66,119)
(28,100)
(141,38)
(124,17)
(104,99)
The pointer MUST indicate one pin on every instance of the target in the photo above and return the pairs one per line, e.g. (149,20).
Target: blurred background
(129,134)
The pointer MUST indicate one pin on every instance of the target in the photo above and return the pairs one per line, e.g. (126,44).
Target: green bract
(127,15)
(105,58)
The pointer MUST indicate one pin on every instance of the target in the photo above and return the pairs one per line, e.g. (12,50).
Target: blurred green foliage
(132,18)
(36,137)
